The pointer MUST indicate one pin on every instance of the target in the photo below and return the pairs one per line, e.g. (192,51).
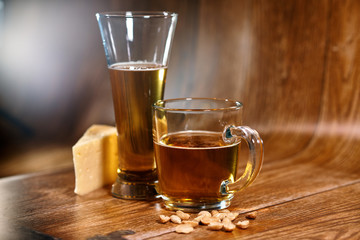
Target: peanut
(214,212)
(251,215)
(207,220)
(191,223)
(175,219)
(216,226)
(204,213)
(226,220)
(184,228)
(243,224)
(182,215)
(198,218)
(164,219)
(228,226)
(232,215)
(221,216)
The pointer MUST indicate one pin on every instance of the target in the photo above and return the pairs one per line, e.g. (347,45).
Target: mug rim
(138,14)
(236,105)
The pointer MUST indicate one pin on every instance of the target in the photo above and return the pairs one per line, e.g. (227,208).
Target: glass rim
(138,14)
(236,105)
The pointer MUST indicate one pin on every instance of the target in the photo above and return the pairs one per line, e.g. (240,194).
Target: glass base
(134,190)
(137,185)
(195,206)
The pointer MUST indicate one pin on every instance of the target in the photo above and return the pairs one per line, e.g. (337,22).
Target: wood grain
(294,64)
(270,56)
(46,203)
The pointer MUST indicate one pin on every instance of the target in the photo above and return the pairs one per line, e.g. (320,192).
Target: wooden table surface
(294,65)
(294,200)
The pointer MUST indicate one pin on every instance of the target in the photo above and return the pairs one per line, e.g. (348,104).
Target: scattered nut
(198,218)
(243,224)
(251,215)
(182,215)
(207,220)
(175,219)
(216,220)
(221,216)
(232,215)
(226,220)
(228,226)
(184,228)
(204,213)
(191,223)
(216,226)
(214,212)
(164,219)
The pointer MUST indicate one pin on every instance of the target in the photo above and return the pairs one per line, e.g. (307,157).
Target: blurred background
(53,76)
(278,57)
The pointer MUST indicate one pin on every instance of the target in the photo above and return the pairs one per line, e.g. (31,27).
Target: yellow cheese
(95,158)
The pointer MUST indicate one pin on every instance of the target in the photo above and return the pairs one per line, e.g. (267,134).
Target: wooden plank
(271,56)
(338,132)
(329,215)
(47,204)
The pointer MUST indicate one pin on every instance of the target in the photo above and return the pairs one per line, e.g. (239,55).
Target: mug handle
(232,134)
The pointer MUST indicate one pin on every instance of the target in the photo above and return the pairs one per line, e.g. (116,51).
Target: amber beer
(135,87)
(197,152)
(137,48)
(193,164)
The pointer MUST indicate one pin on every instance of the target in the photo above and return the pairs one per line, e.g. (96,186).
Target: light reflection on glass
(129,27)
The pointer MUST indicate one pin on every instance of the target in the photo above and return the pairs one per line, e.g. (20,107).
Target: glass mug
(197,147)
(137,48)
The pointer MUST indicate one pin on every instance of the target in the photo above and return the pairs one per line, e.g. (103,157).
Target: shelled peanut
(215,220)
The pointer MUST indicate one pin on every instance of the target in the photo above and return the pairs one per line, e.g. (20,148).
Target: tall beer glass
(137,47)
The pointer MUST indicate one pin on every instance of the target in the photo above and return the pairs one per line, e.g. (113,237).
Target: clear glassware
(197,151)
(137,48)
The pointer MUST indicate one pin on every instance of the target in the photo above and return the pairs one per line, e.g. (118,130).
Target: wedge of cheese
(95,158)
